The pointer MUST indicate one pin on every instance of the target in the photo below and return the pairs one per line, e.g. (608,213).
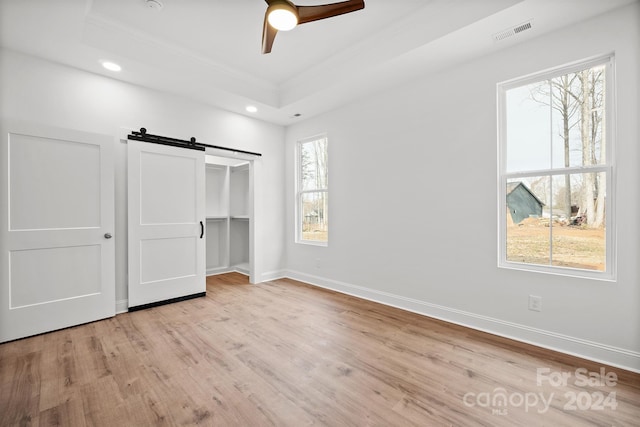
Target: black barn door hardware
(192,144)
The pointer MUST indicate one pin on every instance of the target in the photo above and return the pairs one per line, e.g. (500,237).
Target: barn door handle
(201,229)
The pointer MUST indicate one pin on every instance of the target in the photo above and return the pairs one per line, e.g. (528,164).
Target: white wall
(413,197)
(42,92)
(413,202)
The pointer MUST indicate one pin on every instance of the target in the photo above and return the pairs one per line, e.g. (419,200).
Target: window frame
(300,193)
(608,167)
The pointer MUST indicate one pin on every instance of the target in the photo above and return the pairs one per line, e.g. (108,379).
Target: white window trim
(609,168)
(299,193)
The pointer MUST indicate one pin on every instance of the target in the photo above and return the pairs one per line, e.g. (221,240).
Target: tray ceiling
(209,50)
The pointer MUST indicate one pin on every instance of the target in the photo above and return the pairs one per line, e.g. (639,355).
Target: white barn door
(56,223)
(166,223)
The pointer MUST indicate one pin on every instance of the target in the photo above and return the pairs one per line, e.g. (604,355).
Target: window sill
(312,243)
(559,271)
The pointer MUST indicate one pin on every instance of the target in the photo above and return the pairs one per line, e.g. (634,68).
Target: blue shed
(521,202)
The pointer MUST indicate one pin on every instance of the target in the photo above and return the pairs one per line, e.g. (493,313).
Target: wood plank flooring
(284,353)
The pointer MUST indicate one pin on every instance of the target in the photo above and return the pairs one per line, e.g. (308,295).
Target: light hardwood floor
(287,354)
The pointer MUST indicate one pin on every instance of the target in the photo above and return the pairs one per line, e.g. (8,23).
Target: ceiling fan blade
(268,36)
(315,13)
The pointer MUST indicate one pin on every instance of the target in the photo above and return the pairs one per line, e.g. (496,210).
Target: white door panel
(166,230)
(46,177)
(173,258)
(29,267)
(167,187)
(56,196)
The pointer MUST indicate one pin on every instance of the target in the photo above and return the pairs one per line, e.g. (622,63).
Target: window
(312,191)
(555,171)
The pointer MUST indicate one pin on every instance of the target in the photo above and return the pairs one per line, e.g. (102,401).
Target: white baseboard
(122,306)
(219,270)
(264,277)
(272,275)
(598,352)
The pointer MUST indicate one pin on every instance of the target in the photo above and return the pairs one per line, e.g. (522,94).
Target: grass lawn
(573,246)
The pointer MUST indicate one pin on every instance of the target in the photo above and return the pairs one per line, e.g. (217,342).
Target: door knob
(107,235)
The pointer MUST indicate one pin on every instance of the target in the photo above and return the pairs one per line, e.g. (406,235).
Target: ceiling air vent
(513,31)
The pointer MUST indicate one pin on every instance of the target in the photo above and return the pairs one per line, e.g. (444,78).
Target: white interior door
(166,223)
(56,220)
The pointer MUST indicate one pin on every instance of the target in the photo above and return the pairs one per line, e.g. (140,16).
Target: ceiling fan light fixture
(282,16)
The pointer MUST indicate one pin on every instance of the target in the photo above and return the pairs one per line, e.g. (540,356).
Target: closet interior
(228,215)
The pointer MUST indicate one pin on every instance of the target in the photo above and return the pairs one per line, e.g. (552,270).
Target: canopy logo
(499,401)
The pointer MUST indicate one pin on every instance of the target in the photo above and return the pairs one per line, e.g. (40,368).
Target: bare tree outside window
(313,220)
(554,169)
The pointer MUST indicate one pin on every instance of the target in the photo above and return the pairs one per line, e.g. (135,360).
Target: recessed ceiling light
(252,108)
(111,66)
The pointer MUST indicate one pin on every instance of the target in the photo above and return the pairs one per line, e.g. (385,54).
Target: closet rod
(192,144)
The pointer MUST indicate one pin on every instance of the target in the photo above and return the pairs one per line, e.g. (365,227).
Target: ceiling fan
(283,15)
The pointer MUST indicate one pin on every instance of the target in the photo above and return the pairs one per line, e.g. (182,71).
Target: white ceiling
(210,50)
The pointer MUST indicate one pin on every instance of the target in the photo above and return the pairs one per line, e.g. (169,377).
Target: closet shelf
(226,209)
(245,217)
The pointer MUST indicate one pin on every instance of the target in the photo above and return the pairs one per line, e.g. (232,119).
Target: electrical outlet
(535,303)
(317,262)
